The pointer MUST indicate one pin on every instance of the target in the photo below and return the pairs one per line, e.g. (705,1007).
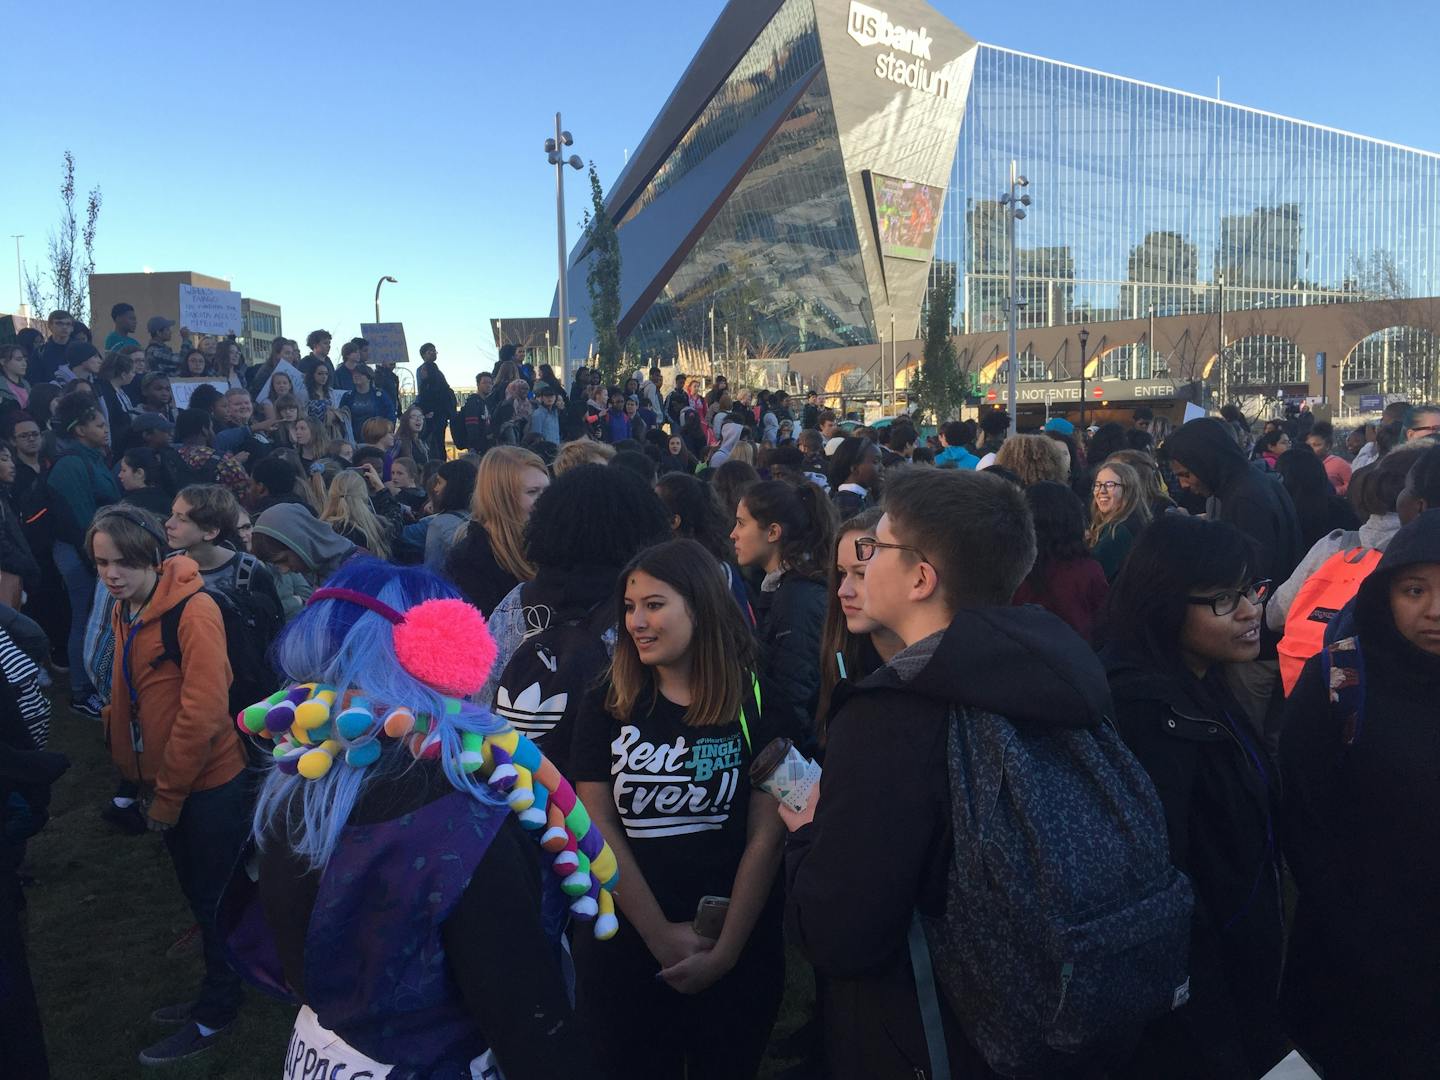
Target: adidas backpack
(1066,927)
(546,679)
(1316,605)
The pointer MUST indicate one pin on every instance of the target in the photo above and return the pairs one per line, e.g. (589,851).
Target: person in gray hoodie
(303,550)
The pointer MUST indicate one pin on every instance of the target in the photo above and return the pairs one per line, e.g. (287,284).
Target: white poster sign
(182,390)
(210,311)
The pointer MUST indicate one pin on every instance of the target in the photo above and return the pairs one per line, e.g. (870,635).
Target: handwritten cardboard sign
(387,342)
(210,311)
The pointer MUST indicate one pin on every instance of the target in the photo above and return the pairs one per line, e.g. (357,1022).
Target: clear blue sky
(304,149)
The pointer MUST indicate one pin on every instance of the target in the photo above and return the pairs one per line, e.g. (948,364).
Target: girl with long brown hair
(852,645)
(1119,511)
(787,532)
(489,558)
(661,755)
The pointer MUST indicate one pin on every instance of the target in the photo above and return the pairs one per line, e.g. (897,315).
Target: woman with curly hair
(1034,459)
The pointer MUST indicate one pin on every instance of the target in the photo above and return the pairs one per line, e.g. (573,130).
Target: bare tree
(65,285)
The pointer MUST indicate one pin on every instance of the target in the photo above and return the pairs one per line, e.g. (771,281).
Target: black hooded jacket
(1221,796)
(1362,836)
(1257,505)
(788,621)
(880,845)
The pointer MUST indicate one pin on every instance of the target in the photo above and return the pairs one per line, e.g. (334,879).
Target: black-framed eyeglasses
(1106,486)
(866,546)
(1224,603)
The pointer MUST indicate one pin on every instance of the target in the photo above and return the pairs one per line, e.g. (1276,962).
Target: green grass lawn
(103,911)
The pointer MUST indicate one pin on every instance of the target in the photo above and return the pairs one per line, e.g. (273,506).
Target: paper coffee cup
(782,771)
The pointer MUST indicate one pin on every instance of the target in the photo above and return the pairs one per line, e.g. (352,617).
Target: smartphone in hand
(710,916)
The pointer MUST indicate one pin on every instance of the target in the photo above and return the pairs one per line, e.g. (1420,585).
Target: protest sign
(182,390)
(210,311)
(387,342)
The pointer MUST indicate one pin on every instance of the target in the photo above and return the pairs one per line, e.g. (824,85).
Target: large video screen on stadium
(906,215)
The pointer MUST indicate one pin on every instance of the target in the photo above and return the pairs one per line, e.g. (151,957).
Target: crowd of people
(1092,707)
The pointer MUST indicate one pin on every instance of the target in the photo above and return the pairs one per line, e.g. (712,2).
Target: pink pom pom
(446,644)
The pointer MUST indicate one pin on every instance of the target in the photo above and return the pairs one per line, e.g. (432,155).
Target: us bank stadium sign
(871,26)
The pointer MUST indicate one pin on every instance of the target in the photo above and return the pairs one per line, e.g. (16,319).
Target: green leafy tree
(602,282)
(939,387)
(65,284)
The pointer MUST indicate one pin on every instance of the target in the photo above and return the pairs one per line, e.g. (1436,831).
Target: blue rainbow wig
(351,648)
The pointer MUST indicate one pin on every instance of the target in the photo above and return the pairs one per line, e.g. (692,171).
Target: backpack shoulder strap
(170,634)
(930,1016)
(245,572)
(1342,666)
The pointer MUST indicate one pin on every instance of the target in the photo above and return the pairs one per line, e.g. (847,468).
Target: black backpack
(1067,927)
(548,676)
(252,622)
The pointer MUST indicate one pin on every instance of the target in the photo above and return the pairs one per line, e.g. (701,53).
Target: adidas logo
(528,712)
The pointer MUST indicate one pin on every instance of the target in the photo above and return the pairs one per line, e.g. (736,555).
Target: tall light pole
(19,274)
(1084,336)
(554,153)
(382,281)
(712,341)
(1150,345)
(1014,204)
(894,369)
(1224,387)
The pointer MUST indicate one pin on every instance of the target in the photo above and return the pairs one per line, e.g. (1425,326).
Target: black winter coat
(788,622)
(1362,836)
(1221,800)
(471,429)
(878,852)
(472,566)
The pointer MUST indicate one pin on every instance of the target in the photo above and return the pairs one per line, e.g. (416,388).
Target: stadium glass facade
(763,200)
(1152,198)
(780,261)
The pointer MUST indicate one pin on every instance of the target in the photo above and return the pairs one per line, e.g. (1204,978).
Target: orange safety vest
(1319,600)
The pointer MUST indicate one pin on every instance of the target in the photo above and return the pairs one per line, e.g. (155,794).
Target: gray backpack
(1066,926)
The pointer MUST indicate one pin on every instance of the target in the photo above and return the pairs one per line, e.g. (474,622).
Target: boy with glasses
(877,846)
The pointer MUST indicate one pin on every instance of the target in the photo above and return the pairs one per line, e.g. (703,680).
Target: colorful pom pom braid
(309,734)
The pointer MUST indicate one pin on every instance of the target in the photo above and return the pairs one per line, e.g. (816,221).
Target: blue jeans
(205,845)
(79,581)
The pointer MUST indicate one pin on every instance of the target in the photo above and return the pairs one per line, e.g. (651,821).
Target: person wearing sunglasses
(1186,605)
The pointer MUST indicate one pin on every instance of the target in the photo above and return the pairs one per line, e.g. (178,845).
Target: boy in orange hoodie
(169,731)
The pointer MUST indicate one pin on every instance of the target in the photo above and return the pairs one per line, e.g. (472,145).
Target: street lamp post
(1014,204)
(1084,336)
(554,153)
(382,281)
(712,341)
(1150,346)
(1224,373)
